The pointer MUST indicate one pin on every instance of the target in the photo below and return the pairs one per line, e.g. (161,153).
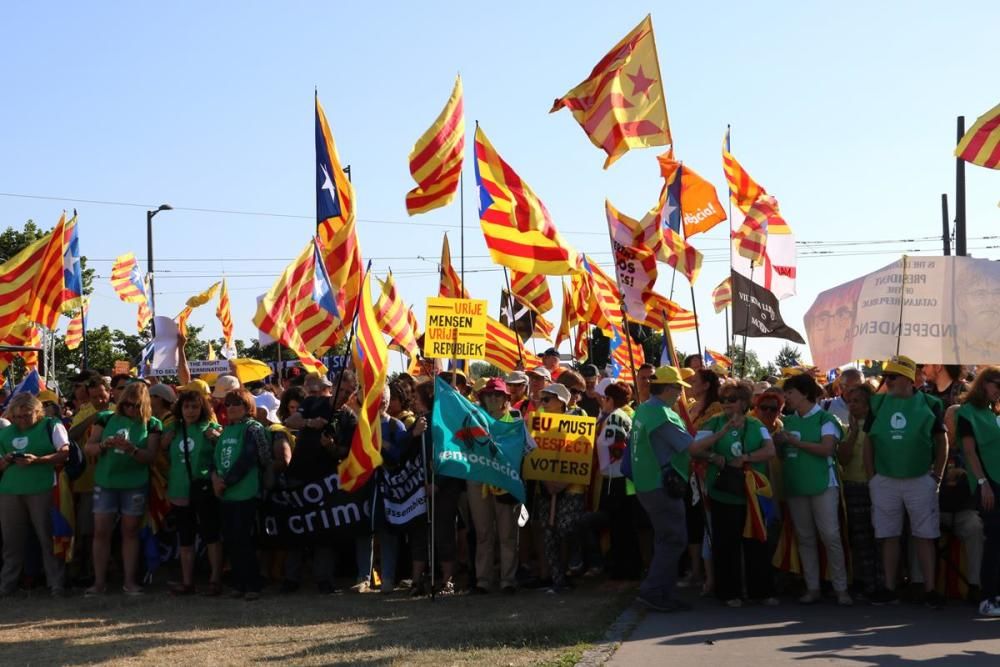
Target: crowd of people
(838,488)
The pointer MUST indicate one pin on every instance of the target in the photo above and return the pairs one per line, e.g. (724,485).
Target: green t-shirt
(37,478)
(807,474)
(901,431)
(986,431)
(228,450)
(732,444)
(647,474)
(200,451)
(116,469)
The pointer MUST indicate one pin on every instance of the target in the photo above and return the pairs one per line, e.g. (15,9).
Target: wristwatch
(981,481)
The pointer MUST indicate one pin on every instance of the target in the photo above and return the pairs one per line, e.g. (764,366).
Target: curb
(618,632)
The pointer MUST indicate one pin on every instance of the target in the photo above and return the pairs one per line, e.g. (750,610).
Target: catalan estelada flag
(621,104)
(713,358)
(743,190)
(451,283)
(370,356)
(394,320)
(722,295)
(223,311)
(504,349)
(625,353)
(128,283)
(981,144)
(338,236)
(49,285)
(760,505)
(695,199)
(519,232)
(72,269)
(17,277)
(532,290)
(63,517)
(74,330)
(436,158)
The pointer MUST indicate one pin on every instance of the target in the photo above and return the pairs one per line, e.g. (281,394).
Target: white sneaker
(989,607)
(811,597)
(844,599)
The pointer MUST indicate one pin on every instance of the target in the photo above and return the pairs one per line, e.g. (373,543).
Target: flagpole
(513,324)
(83,335)
(746,329)
(729,235)
(350,335)
(902,298)
(694,304)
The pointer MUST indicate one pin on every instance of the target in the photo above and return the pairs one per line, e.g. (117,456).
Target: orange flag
(621,104)
(700,206)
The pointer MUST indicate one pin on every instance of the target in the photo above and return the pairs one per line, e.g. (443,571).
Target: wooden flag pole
(729,236)
(746,329)
(899,334)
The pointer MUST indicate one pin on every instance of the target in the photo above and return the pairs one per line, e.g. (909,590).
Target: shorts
(917,495)
(204,520)
(127,502)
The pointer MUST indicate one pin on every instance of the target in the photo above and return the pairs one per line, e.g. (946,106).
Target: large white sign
(940,310)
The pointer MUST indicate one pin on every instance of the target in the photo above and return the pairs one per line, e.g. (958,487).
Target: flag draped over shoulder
(128,283)
(371,360)
(17,277)
(74,330)
(436,158)
(288,314)
(469,444)
(504,349)
(981,144)
(393,318)
(519,232)
(49,285)
(743,190)
(621,104)
(224,313)
(722,295)
(451,283)
(338,235)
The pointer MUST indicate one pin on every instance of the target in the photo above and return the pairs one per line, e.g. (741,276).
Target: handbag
(198,489)
(674,484)
(732,480)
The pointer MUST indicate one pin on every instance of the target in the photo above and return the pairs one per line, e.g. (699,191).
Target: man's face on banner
(829,323)
(977,310)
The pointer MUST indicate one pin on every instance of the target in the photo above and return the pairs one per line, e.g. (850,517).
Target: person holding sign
(731,441)
(127,442)
(978,427)
(807,446)
(658,435)
(905,458)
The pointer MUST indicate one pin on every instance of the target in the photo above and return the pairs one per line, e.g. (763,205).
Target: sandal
(213,590)
(182,589)
(94,592)
(133,592)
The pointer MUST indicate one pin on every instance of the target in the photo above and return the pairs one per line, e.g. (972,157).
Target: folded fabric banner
(402,491)
(319,512)
(756,313)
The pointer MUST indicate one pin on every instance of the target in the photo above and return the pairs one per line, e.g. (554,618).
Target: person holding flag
(658,436)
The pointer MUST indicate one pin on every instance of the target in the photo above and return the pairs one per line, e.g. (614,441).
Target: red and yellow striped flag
(621,104)
(436,158)
(543,328)
(197,300)
(451,284)
(531,290)
(620,357)
(719,359)
(981,144)
(763,218)
(681,255)
(74,331)
(394,320)
(371,361)
(128,283)
(411,319)
(288,314)
(47,291)
(224,312)
(569,317)
(519,232)
(504,349)
(661,311)
(722,295)
(603,300)
(338,239)
(17,277)
(743,190)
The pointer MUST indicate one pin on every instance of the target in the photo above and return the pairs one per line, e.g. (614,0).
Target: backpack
(76,462)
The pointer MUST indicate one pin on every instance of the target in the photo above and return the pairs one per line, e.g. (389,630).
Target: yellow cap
(668,375)
(198,386)
(688,373)
(901,365)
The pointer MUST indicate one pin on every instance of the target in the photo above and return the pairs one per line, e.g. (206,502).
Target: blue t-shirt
(395,438)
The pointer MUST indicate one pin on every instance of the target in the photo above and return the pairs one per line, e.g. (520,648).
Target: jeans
(239,528)
(669,541)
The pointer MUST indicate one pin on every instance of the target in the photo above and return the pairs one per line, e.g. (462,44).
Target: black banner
(756,313)
(317,513)
(403,491)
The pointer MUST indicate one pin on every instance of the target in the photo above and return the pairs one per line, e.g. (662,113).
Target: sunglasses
(767,408)
(546,399)
(728,399)
(888,377)
(128,404)
(576,392)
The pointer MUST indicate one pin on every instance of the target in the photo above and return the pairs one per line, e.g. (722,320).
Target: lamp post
(149,259)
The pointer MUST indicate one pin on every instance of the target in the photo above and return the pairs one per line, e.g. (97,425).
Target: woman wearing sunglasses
(236,479)
(126,442)
(807,446)
(731,441)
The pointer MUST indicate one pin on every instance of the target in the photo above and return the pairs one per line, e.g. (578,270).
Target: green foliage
(788,357)
(748,366)
(481,369)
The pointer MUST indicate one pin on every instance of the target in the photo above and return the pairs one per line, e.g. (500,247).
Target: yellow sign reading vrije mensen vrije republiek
(455,328)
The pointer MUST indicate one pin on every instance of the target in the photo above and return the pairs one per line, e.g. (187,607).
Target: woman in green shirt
(735,440)
(126,442)
(30,448)
(978,426)
(195,507)
(807,446)
(236,474)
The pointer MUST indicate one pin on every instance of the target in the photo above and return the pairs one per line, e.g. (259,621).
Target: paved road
(824,634)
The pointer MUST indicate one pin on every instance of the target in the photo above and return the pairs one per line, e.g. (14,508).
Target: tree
(747,366)
(481,369)
(788,357)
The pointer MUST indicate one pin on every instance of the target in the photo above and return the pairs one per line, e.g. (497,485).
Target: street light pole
(149,260)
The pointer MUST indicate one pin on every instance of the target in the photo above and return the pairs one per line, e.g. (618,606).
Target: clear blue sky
(846,115)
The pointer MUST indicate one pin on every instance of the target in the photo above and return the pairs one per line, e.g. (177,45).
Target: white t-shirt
(611,442)
(270,403)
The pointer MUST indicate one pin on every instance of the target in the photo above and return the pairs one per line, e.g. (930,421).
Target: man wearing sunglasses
(905,458)
(658,435)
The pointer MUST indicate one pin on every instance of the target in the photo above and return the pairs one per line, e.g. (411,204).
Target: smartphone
(20,455)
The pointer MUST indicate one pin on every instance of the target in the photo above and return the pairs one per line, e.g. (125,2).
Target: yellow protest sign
(456,328)
(121,367)
(565,448)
